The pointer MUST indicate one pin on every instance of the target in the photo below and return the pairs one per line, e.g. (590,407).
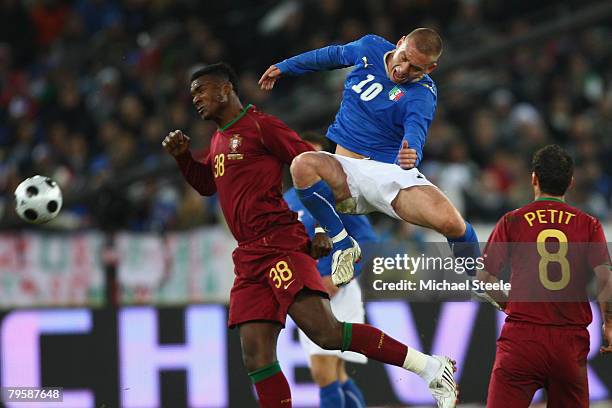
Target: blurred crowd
(89,88)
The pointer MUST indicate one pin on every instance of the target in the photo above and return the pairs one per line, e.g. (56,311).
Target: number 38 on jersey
(219,165)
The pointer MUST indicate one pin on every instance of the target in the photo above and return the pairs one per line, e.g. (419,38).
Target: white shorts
(347,307)
(374,185)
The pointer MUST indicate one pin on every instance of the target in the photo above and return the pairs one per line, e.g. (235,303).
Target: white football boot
(443,386)
(343,264)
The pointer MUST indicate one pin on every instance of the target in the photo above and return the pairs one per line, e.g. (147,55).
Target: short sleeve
(598,246)
(497,251)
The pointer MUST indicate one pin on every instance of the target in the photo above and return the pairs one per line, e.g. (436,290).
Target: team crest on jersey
(396,93)
(234,143)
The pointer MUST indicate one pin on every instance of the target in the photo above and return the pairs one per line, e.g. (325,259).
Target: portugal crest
(234,144)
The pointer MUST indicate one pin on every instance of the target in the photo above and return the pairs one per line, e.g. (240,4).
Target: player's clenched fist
(320,246)
(407,157)
(267,80)
(176,143)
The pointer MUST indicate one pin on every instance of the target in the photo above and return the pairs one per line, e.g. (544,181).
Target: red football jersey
(244,166)
(551,249)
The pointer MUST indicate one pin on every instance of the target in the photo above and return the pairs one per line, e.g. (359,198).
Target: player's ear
(400,41)
(571,184)
(534,179)
(226,90)
(432,67)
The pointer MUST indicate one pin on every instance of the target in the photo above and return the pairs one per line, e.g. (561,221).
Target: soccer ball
(38,199)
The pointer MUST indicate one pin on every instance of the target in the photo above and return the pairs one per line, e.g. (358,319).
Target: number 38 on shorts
(281,273)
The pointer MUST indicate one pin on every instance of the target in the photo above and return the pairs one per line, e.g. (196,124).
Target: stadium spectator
(84,98)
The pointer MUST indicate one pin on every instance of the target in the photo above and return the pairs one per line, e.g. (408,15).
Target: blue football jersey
(357,226)
(375,114)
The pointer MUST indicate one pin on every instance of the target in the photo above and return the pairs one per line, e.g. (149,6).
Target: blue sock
(353,395)
(466,246)
(332,396)
(319,200)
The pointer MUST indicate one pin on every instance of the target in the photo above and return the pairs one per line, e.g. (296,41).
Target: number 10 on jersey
(370,92)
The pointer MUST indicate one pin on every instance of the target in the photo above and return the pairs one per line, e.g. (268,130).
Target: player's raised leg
(258,340)
(312,313)
(320,181)
(429,207)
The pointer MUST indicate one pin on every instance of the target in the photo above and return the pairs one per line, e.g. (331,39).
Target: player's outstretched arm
(198,175)
(267,80)
(322,59)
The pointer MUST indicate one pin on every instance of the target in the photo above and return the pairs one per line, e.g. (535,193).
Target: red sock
(373,343)
(272,387)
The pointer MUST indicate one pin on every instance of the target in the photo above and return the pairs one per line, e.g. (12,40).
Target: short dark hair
(427,41)
(220,70)
(315,137)
(554,169)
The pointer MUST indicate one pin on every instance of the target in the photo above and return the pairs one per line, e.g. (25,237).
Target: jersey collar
(549,199)
(237,118)
(385,63)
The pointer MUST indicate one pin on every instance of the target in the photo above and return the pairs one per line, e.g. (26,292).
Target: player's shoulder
(585,216)
(265,119)
(260,115)
(515,217)
(425,88)
(374,39)
(519,213)
(511,216)
(374,44)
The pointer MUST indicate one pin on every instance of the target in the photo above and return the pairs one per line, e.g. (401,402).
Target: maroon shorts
(269,274)
(530,357)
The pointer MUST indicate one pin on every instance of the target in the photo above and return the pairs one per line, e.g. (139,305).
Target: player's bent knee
(328,342)
(304,163)
(329,338)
